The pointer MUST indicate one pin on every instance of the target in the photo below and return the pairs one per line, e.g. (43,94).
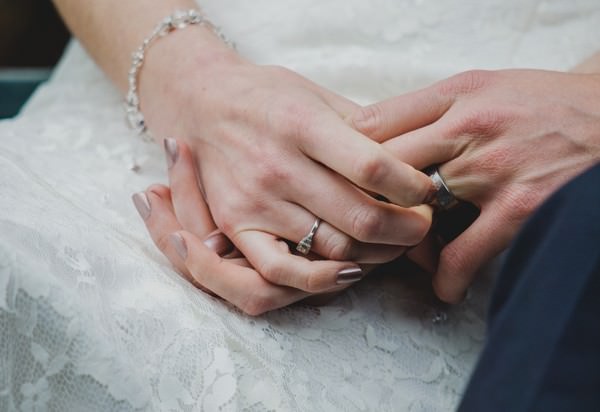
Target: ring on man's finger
(305,244)
(442,197)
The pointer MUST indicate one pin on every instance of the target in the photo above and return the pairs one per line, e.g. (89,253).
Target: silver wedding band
(305,244)
(442,198)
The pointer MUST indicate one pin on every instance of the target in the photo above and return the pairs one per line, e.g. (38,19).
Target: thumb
(401,114)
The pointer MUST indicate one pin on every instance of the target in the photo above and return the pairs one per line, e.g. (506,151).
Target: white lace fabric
(93,317)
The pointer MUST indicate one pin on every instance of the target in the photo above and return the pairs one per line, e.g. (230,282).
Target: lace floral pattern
(92,317)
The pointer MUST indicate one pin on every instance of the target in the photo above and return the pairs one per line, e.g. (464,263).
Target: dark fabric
(13,94)
(543,344)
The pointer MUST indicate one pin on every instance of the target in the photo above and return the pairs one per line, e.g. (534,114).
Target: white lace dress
(92,317)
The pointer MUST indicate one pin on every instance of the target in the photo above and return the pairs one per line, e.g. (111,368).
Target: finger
(452,147)
(293,222)
(401,114)
(354,212)
(325,194)
(241,286)
(272,259)
(164,193)
(478,244)
(364,162)
(190,208)
(216,240)
(427,146)
(154,208)
(342,106)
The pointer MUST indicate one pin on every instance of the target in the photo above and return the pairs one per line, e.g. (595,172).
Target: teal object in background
(16,86)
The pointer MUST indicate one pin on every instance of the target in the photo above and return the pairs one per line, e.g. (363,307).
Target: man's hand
(504,141)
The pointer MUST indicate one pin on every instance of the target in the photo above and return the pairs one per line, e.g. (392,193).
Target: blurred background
(32,39)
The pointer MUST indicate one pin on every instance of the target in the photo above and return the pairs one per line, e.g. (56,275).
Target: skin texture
(505,141)
(266,164)
(273,149)
(180,225)
(259,134)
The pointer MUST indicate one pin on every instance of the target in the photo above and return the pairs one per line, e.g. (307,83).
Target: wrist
(176,67)
(196,49)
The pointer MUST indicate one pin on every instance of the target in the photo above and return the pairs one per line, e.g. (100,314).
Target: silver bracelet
(178,20)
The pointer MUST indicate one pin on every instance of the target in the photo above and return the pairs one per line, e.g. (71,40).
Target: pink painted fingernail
(179,244)
(172,151)
(349,275)
(142,204)
(219,243)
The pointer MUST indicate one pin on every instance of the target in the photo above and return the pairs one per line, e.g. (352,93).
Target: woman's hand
(180,224)
(274,153)
(505,141)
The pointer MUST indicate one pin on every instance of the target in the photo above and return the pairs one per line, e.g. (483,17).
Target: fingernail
(142,204)
(179,244)
(349,275)
(219,243)
(171,150)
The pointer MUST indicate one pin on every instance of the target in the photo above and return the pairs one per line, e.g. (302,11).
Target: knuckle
(279,273)
(317,278)
(312,283)
(525,206)
(295,115)
(161,191)
(227,226)
(294,119)
(273,270)
(370,169)
(465,83)
(482,124)
(518,204)
(368,119)
(232,215)
(224,217)
(271,173)
(366,223)
(340,247)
